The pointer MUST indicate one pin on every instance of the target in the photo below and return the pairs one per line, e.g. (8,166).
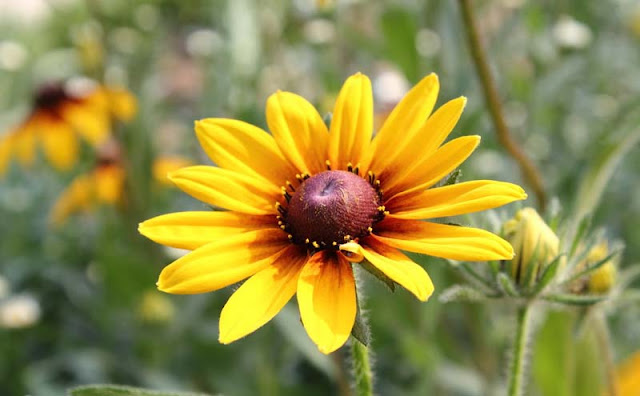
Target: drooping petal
(441,240)
(90,121)
(190,230)
(425,172)
(227,189)
(79,196)
(402,124)
(223,262)
(352,123)
(462,198)
(109,183)
(244,148)
(262,296)
(60,144)
(395,265)
(299,131)
(327,299)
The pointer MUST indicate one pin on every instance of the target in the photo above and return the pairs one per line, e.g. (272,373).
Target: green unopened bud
(534,243)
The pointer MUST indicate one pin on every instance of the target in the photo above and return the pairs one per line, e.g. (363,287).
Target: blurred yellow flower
(629,376)
(58,116)
(339,198)
(167,164)
(534,242)
(103,185)
(155,307)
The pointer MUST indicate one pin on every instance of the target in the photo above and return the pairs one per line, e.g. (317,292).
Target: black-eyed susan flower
(104,184)
(58,117)
(628,376)
(306,202)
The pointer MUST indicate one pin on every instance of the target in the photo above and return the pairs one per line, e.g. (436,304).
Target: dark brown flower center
(49,96)
(331,208)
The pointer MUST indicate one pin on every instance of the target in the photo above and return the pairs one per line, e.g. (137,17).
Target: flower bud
(602,279)
(534,244)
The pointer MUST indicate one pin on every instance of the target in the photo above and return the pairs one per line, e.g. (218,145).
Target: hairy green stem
(361,368)
(517,370)
(604,345)
(527,167)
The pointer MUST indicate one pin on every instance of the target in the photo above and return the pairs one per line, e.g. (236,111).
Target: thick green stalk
(361,368)
(517,370)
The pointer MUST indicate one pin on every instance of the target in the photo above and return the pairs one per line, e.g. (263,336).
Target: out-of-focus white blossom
(570,33)
(19,311)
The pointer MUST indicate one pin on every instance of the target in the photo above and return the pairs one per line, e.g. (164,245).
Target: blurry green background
(569,75)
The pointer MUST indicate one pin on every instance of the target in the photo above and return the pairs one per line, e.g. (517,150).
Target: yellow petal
(244,148)
(441,240)
(77,197)
(91,122)
(299,131)
(262,296)
(5,152)
(327,299)
(24,141)
(423,173)
(109,183)
(396,266)
(122,103)
(60,145)
(424,142)
(402,124)
(227,189)
(467,197)
(223,262)
(190,230)
(352,123)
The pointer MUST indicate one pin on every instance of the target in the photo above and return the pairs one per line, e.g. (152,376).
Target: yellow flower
(58,116)
(155,307)
(165,165)
(629,376)
(103,185)
(339,197)
(533,241)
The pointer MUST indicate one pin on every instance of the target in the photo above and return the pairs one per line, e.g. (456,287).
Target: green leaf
(473,274)
(453,178)
(399,29)
(119,390)
(381,276)
(507,285)
(595,180)
(548,274)
(573,299)
(461,293)
(360,330)
(553,355)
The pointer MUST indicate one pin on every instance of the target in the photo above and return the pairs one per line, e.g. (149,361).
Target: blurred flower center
(50,96)
(331,208)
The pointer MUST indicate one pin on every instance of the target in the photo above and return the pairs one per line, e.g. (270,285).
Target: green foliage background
(568,106)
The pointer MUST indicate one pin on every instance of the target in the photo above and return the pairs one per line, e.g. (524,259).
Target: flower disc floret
(331,208)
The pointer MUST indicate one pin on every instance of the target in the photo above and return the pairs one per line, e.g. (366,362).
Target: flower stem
(527,167)
(604,345)
(361,368)
(517,371)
